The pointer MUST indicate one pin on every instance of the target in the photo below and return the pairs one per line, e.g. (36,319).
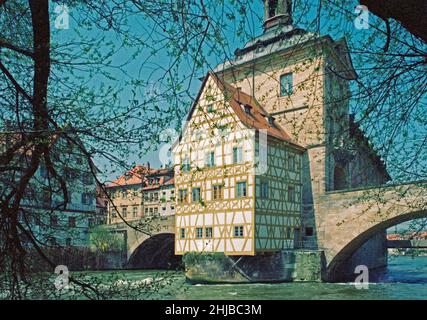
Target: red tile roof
(256,119)
(140,174)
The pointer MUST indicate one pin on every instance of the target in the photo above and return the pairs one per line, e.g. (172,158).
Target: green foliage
(103,239)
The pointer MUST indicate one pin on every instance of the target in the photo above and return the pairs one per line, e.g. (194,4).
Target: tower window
(286,84)
(309,231)
(272,8)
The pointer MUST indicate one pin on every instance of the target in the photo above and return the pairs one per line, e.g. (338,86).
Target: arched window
(272,8)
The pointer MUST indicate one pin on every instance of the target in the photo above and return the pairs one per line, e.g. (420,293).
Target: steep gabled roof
(238,100)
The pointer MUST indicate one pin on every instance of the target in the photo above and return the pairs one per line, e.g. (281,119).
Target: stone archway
(337,268)
(156,252)
(346,220)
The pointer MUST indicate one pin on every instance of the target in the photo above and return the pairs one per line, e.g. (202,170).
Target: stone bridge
(407,244)
(347,219)
(153,247)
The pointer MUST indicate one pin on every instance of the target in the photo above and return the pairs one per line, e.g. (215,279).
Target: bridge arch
(155,252)
(337,264)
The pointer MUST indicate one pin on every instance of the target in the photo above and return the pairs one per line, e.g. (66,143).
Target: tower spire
(277,12)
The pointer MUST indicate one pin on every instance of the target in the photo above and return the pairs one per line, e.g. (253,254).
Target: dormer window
(210,108)
(270,120)
(246,108)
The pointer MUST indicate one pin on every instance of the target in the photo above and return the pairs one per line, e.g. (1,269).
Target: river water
(405,278)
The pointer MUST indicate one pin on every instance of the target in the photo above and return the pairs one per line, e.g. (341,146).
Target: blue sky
(330,23)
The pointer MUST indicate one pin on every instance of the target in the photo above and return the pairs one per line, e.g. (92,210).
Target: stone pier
(282,266)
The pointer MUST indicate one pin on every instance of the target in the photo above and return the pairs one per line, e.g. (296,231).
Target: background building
(142,191)
(43,211)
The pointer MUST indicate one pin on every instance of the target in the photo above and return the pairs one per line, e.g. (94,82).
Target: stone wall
(282,266)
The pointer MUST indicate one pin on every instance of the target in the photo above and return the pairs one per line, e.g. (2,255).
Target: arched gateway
(350,218)
(152,249)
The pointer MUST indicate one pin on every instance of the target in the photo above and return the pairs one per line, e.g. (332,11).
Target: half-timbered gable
(217,163)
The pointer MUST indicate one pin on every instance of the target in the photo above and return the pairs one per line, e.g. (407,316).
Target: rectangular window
(156,211)
(288,233)
(53,221)
(146,210)
(43,171)
(210,108)
(199,233)
(87,178)
(185,164)
(238,231)
(124,212)
(291,162)
(237,155)
(291,194)
(151,211)
(70,196)
(210,159)
(68,242)
(46,198)
(52,241)
(217,192)
(86,198)
(286,84)
(196,194)
(241,189)
(135,212)
(309,231)
(264,189)
(182,196)
(72,222)
(182,233)
(208,232)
